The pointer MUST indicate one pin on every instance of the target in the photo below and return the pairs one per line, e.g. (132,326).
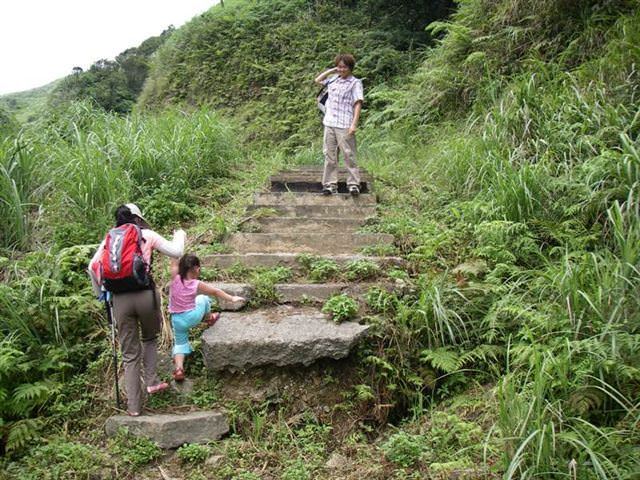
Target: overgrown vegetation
(259,59)
(506,161)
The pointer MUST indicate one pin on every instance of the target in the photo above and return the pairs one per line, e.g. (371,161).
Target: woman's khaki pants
(137,315)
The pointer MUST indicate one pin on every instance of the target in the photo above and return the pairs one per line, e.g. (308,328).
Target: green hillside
(28,105)
(504,143)
(259,59)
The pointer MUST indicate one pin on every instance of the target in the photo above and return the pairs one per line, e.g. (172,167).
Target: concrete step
(172,431)
(302,225)
(318,170)
(312,185)
(314,243)
(290,199)
(269,260)
(304,292)
(314,211)
(282,335)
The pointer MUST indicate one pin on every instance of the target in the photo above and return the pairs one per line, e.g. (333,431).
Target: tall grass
(20,178)
(78,165)
(511,157)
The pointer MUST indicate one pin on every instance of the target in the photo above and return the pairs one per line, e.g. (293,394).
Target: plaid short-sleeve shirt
(343,95)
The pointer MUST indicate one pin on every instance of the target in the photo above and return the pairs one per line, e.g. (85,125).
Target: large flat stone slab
(282,335)
(302,225)
(227,260)
(313,211)
(303,198)
(313,243)
(172,431)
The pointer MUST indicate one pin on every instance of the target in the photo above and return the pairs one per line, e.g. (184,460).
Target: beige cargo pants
(339,139)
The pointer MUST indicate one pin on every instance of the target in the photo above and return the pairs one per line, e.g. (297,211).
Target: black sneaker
(330,190)
(354,190)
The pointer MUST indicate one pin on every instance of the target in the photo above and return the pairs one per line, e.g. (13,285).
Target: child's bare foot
(213,318)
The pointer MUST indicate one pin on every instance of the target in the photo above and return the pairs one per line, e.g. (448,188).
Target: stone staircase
(290,219)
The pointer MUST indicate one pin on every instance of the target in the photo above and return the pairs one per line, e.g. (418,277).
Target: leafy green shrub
(296,470)
(164,206)
(449,435)
(246,475)
(205,394)
(193,453)
(381,301)
(60,458)
(322,269)
(136,451)
(341,308)
(404,449)
(361,270)
(264,281)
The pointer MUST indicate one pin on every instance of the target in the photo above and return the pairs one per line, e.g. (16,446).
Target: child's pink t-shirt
(182,295)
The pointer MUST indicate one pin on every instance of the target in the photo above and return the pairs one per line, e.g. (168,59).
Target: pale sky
(42,40)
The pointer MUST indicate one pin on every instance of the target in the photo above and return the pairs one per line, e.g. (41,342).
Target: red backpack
(122,266)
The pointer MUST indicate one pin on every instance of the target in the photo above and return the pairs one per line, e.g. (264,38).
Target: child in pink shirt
(189,305)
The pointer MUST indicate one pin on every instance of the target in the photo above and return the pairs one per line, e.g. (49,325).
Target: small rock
(184,387)
(336,461)
(214,460)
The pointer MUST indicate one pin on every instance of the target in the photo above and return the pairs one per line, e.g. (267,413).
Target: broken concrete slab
(302,198)
(282,335)
(251,260)
(313,211)
(172,431)
(312,243)
(302,225)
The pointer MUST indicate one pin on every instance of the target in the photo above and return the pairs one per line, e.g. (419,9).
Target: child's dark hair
(186,263)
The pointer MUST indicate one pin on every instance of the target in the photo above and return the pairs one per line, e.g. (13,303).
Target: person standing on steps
(340,121)
(190,305)
(137,313)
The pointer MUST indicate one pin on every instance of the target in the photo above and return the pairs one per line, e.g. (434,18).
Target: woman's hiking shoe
(354,190)
(178,374)
(213,318)
(330,190)
(157,388)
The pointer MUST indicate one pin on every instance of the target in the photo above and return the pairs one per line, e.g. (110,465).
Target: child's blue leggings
(183,321)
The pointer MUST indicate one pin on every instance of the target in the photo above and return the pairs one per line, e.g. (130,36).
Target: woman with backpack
(121,264)
(190,305)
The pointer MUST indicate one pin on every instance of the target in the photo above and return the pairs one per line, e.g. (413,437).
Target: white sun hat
(135,210)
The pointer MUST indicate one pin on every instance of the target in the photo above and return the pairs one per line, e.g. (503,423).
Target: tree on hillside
(113,85)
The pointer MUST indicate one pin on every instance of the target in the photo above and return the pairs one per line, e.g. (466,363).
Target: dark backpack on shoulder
(323,96)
